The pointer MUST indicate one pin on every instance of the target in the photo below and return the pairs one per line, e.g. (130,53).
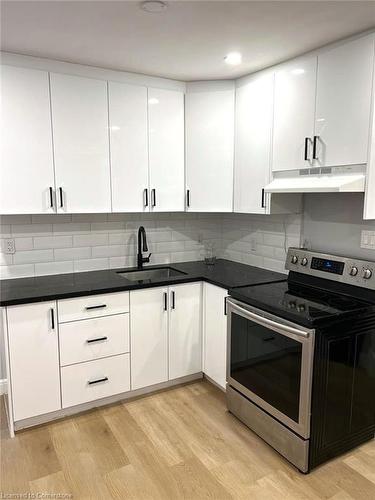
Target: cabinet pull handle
(89,308)
(306,154)
(99,339)
(97,381)
(225,306)
(51,197)
(263,199)
(52,312)
(153,197)
(61,194)
(315,144)
(165,301)
(188,197)
(145,197)
(173,300)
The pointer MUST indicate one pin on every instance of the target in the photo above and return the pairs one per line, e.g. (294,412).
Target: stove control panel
(342,269)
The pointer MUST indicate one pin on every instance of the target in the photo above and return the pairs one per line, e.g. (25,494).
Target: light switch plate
(368,239)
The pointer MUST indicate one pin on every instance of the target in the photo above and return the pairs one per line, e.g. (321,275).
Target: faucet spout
(142,247)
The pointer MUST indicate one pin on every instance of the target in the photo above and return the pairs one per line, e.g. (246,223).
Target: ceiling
(188,41)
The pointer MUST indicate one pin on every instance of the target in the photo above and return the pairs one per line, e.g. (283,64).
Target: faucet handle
(147,259)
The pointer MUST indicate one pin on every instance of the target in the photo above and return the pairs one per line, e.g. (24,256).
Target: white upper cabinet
(294,111)
(81,143)
(185,342)
(343,103)
(129,147)
(209,150)
(27,179)
(166,150)
(254,108)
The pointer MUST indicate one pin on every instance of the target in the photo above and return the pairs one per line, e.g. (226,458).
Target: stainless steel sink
(150,275)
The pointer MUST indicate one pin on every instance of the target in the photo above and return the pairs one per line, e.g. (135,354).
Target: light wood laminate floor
(180,443)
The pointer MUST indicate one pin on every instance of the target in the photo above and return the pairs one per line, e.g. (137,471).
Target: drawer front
(93,338)
(93,306)
(108,376)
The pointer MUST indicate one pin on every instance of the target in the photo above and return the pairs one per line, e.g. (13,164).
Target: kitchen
(188,249)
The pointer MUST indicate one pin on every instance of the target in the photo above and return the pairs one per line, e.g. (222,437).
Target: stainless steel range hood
(331,183)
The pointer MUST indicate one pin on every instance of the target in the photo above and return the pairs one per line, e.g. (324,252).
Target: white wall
(333,223)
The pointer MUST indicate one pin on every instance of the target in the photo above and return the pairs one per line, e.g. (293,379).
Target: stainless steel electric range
(301,357)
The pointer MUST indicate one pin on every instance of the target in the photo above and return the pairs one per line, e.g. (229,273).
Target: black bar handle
(89,308)
(145,197)
(51,197)
(61,194)
(306,154)
(99,339)
(104,379)
(153,197)
(173,296)
(225,306)
(165,301)
(263,199)
(52,318)
(315,143)
(188,197)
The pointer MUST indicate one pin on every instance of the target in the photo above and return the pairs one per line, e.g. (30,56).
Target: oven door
(270,361)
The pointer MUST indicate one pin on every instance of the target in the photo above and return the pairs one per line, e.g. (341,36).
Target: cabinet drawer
(93,339)
(95,380)
(93,306)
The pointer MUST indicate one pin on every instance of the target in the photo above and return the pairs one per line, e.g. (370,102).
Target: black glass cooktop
(301,304)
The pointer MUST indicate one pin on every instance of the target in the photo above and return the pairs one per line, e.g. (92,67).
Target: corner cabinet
(27,177)
(81,144)
(215,334)
(166,150)
(34,359)
(209,148)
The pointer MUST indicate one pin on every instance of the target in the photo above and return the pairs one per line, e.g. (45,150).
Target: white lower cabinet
(149,336)
(93,380)
(215,333)
(185,342)
(34,359)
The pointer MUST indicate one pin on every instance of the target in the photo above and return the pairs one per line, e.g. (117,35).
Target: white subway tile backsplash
(24,244)
(16,271)
(50,218)
(90,240)
(107,227)
(71,228)
(108,251)
(31,256)
(15,219)
(46,268)
(90,265)
(53,242)
(5,230)
(19,230)
(72,253)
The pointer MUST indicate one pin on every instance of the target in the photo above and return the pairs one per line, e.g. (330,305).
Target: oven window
(267,363)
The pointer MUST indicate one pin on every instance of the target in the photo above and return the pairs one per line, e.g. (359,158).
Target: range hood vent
(332,183)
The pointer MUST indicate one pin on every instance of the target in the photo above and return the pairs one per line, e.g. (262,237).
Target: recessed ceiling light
(153,6)
(233,58)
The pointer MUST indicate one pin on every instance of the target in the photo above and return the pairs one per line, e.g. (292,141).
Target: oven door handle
(269,322)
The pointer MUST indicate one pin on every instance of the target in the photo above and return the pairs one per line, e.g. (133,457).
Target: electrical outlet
(368,239)
(9,246)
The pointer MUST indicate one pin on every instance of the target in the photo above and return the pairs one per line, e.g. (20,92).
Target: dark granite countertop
(224,273)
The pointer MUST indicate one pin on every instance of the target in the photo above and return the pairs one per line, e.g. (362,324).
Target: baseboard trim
(124,396)
(3,386)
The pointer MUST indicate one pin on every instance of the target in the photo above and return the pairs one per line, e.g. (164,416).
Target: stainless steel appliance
(288,345)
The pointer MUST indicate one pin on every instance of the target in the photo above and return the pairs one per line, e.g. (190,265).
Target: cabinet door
(185,351)
(149,337)
(254,108)
(80,135)
(343,104)
(27,177)
(209,150)
(34,359)
(215,334)
(166,150)
(129,147)
(294,111)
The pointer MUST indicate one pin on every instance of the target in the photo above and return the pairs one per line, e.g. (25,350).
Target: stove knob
(367,273)
(353,271)
(294,259)
(304,261)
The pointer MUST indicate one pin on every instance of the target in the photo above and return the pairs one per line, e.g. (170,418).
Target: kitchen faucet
(142,247)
